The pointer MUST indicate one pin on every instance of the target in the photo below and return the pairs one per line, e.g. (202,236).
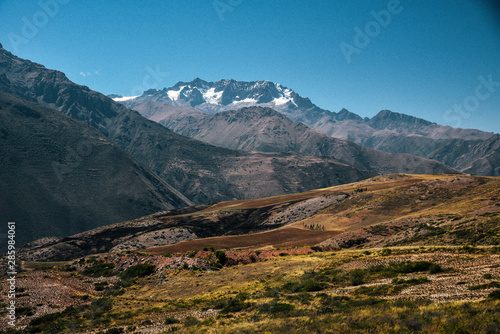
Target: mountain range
(81,160)
(478,151)
(145,166)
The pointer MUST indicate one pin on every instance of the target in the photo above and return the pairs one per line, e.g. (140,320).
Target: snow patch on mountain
(211,96)
(124,98)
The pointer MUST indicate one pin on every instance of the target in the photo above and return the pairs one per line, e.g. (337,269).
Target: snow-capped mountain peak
(222,94)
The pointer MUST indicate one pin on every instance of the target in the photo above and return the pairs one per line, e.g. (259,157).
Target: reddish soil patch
(285,237)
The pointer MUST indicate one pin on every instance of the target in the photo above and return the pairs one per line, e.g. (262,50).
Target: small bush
(435,268)
(100,286)
(102,305)
(221,257)
(231,305)
(171,320)
(386,251)
(274,308)
(100,269)
(137,271)
(357,277)
(27,311)
(494,294)
(67,267)
(490,285)
(308,285)
(378,290)
(191,321)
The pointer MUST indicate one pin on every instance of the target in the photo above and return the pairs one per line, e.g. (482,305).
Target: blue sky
(439,60)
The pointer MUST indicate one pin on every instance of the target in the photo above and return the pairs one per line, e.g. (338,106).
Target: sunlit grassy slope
(397,209)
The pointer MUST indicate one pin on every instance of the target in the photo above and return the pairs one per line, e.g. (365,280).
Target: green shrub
(102,305)
(100,286)
(357,277)
(271,292)
(386,251)
(171,320)
(378,290)
(494,294)
(308,285)
(67,267)
(231,305)
(137,271)
(303,297)
(274,308)
(25,311)
(221,257)
(99,269)
(490,285)
(191,321)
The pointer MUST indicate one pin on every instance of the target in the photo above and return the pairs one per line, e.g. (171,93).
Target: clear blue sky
(427,59)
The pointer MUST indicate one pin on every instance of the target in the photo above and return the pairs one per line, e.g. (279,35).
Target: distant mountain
(387,131)
(203,173)
(59,177)
(213,97)
(266,130)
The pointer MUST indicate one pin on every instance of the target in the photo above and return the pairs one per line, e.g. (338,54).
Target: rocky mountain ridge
(387,131)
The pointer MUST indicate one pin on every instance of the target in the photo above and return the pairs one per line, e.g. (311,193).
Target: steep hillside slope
(202,172)
(213,97)
(266,130)
(59,177)
(387,131)
(385,210)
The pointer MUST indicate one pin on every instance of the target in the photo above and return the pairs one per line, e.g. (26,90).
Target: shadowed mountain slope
(266,130)
(202,172)
(59,177)
(387,131)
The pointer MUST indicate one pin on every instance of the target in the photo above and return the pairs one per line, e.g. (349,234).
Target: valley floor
(299,290)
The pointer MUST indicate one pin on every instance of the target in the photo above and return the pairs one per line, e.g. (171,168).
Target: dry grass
(257,294)
(282,237)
